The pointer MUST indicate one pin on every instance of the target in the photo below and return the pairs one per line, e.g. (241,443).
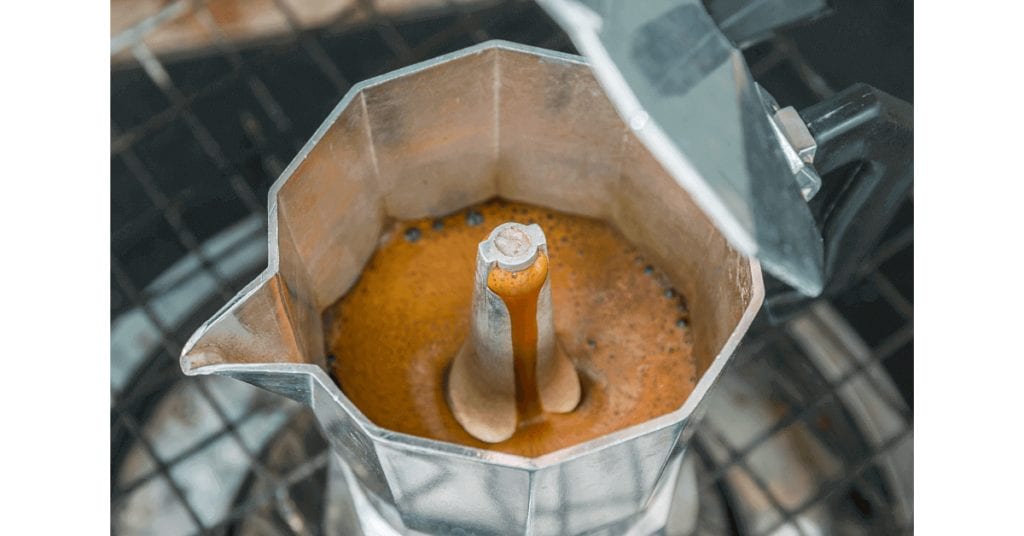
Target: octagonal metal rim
(320,379)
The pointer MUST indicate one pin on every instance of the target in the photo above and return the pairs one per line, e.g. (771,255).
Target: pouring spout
(257,338)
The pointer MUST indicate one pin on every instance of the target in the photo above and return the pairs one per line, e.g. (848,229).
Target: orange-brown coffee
(396,331)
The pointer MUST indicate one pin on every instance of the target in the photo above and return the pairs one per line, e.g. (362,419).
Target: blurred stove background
(810,433)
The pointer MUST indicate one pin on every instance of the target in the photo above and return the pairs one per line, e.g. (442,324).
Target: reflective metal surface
(749,21)
(687,93)
(797,144)
(493,120)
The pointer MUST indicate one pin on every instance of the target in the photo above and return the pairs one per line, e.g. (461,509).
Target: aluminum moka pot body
(493,120)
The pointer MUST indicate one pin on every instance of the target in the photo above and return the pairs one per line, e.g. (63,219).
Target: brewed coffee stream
(519,291)
(520,297)
(616,332)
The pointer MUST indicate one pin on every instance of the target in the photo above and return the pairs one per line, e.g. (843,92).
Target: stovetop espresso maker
(662,132)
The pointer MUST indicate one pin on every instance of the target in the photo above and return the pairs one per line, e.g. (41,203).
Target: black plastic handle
(865,157)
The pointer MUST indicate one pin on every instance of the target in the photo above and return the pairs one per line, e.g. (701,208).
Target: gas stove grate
(197,140)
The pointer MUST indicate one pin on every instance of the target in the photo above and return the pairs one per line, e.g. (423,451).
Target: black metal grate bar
(314,49)
(173,217)
(852,473)
(163,469)
(173,347)
(126,490)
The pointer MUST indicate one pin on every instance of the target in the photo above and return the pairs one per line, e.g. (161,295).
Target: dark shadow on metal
(865,156)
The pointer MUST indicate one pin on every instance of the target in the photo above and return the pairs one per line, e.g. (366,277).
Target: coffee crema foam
(395,333)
